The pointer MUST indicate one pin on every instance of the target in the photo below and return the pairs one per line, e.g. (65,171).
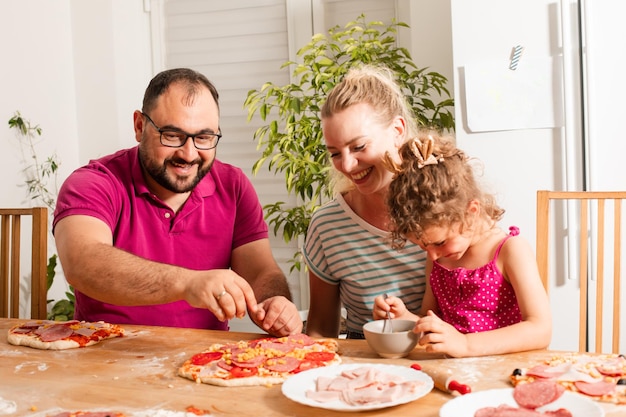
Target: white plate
(295,387)
(466,405)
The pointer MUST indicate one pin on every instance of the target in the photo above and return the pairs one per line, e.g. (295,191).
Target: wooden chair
(599,228)
(10,256)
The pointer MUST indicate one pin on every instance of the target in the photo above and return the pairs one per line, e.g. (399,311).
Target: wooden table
(138,372)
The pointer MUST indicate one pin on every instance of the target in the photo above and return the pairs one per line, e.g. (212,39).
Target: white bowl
(391,345)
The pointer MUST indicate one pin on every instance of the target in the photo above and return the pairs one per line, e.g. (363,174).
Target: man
(164,233)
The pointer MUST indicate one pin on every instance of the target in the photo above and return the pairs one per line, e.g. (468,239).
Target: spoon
(387,322)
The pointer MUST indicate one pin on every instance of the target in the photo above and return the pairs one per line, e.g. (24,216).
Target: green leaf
(291,142)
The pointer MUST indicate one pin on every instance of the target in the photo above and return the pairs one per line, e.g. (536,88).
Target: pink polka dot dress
(475,300)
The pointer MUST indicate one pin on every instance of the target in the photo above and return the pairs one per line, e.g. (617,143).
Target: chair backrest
(596,217)
(10,257)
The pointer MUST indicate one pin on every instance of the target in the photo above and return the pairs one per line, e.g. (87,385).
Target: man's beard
(178,184)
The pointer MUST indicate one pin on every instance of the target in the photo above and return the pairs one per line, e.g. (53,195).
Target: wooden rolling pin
(443,379)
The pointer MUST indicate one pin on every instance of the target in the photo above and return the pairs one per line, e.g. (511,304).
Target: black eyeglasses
(177,138)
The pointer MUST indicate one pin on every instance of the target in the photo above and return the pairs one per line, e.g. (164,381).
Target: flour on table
(26,366)
(7,407)
(12,353)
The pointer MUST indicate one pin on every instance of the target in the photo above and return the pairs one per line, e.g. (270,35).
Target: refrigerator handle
(569,137)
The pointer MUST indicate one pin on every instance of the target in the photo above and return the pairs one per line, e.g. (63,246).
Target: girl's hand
(392,304)
(441,337)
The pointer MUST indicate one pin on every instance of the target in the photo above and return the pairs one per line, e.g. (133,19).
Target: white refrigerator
(550,117)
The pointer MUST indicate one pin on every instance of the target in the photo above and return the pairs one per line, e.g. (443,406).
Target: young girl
(484,295)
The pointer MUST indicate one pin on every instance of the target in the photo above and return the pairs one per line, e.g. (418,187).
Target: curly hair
(433,189)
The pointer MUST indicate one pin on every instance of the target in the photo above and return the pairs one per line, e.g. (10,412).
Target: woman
(347,246)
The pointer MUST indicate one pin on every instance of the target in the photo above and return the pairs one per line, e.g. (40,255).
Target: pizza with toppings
(600,377)
(59,335)
(264,361)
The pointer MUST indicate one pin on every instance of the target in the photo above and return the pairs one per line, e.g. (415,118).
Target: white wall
(36,78)
(77,69)
(112,67)
(430,36)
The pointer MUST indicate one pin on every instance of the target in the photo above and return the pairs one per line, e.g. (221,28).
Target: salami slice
(284,364)
(595,389)
(537,393)
(56,332)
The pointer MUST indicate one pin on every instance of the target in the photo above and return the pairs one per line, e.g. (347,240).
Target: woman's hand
(394,306)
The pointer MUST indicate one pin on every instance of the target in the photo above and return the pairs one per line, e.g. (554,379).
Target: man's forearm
(271,285)
(114,276)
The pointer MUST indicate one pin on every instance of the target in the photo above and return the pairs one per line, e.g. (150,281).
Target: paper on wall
(500,98)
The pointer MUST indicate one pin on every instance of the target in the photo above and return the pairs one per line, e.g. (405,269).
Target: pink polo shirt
(222,213)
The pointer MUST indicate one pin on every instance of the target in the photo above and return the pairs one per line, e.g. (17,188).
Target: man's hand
(278,316)
(225,293)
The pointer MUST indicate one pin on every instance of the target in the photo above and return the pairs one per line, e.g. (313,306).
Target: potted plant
(291,141)
(37,174)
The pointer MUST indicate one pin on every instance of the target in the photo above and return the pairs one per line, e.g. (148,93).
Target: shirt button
(168,215)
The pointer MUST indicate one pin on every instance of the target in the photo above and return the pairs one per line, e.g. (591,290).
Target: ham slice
(362,385)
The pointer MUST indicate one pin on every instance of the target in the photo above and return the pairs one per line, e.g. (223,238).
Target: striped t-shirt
(343,249)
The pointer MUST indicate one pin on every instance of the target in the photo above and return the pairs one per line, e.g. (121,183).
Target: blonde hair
(376,86)
(433,186)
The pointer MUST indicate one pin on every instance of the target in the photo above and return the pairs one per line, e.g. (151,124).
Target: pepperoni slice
(595,389)
(238,372)
(319,356)
(205,357)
